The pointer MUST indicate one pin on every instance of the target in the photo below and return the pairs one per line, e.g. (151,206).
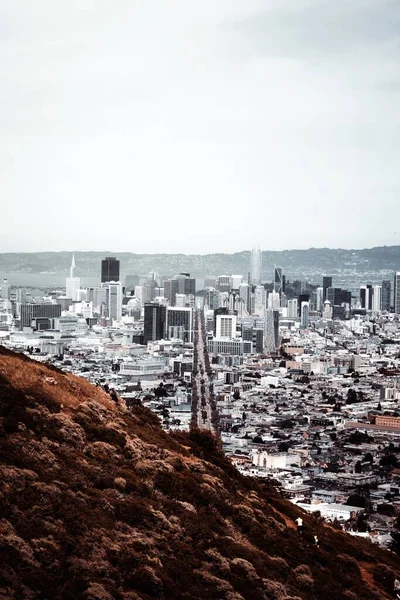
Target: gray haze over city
(193,127)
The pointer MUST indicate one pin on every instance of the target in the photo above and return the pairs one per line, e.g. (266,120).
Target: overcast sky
(187,126)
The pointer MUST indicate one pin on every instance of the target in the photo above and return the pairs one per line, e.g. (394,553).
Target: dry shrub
(349,595)
(216,583)
(244,567)
(96,591)
(274,589)
(302,577)
(304,581)
(120,483)
(218,561)
(101,451)
(278,565)
(384,576)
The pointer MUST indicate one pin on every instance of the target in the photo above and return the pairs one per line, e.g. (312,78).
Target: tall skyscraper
(397,292)
(278,280)
(186,284)
(292,308)
(326,283)
(154,322)
(114,300)
(274,300)
(5,289)
(304,315)
(320,299)
(260,301)
(386,293)
(171,290)
(224,283)
(271,330)
(366,293)
(180,323)
(377,298)
(109,269)
(255,266)
(72,283)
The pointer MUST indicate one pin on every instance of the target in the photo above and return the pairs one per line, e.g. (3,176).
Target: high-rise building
(320,299)
(326,283)
(72,283)
(225,326)
(224,283)
(274,300)
(236,281)
(180,323)
(386,293)
(397,292)
(155,316)
(211,298)
(114,299)
(377,298)
(366,293)
(304,315)
(20,295)
(278,280)
(30,311)
(109,269)
(303,297)
(271,330)
(255,266)
(171,290)
(292,308)
(186,284)
(5,289)
(260,300)
(244,292)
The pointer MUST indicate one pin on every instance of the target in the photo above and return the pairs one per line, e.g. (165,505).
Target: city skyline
(234,109)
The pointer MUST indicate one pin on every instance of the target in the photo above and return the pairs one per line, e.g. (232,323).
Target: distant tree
(356,500)
(394,545)
(359,437)
(385,509)
(358,467)
(389,460)
(333,436)
(369,458)
(379,407)
(160,392)
(286,424)
(258,439)
(236,395)
(283,446)
(362,524)
(351,396)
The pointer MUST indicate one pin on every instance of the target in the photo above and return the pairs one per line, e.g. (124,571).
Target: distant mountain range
(295,263)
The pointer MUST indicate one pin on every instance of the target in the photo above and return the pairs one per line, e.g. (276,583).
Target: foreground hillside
(99,503)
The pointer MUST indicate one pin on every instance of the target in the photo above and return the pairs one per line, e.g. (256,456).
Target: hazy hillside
(100,504)
(295,262)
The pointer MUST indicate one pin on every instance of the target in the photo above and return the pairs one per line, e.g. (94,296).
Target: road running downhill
(203,402)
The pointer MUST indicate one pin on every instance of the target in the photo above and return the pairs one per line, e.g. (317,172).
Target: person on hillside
(396,588)
(299,522)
